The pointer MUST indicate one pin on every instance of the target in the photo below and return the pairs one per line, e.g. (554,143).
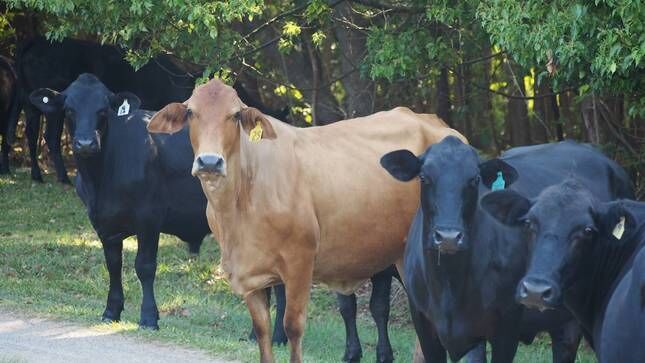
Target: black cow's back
(45,64)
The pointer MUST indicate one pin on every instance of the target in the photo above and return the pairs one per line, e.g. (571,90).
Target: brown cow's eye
(237,116)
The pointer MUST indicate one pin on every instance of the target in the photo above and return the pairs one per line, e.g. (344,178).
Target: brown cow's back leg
(258,306)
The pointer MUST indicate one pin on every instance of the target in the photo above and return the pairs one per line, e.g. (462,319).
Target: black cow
(461,266)
(42,64)
(588,255)
(9,109)
(131,183)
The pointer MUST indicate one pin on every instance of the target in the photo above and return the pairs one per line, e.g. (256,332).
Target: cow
(294,206)
(43,64)
(9,109)
(130,182)
(461,266)
(586,254)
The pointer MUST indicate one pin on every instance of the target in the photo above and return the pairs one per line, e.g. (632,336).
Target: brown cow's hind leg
(258,307)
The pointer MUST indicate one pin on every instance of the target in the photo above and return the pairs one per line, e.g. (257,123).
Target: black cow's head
(88,105)
(450,173)
(564,225)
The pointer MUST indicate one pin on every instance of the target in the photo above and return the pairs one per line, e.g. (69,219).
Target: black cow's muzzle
(86,147)
(538,293)
(448,240)
(209,165)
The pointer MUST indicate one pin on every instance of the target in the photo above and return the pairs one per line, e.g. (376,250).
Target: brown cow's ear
(169,119)
(251,118)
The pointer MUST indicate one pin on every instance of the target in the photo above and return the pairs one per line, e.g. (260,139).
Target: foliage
(598,46)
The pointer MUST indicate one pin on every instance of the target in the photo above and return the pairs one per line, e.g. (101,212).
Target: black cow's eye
(588,231)
(527,223)
(475,181)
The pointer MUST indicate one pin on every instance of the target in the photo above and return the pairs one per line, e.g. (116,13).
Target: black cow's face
(563,224)
(87,105)
(450,173)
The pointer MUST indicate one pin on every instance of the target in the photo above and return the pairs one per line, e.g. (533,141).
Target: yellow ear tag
(619,229)
(256,133)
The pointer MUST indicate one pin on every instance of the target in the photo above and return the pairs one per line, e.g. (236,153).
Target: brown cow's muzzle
(210,168)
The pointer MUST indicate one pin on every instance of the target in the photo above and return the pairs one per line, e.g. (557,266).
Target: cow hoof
(385,359)
(37,178)
(108,320)
(279,341)
(148,326)
(352,356)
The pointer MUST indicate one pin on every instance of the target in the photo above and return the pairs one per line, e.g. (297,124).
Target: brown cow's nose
(209,163)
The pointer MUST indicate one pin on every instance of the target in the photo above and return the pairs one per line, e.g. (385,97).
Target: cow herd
(544,238)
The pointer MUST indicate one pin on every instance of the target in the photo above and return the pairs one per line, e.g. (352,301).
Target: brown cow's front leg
(258,306)
(297,291)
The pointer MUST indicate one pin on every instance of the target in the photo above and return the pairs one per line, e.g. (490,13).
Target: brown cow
(299,205)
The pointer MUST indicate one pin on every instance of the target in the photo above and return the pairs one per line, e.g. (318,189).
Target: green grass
(51,263)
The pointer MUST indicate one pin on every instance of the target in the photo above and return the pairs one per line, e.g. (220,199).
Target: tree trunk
(352,46)
(517,120)
(444,105)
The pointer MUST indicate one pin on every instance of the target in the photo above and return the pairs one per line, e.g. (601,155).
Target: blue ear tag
(499,183)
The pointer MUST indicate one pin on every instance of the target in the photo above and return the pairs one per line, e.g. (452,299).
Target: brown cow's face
(216,118)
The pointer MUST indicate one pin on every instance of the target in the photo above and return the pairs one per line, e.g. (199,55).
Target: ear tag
(256,133)
(619,230)
(124,109)
(499,183)
(45,99)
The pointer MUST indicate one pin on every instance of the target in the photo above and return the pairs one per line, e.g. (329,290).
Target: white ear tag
(619,229)
(45,99)
(124,109)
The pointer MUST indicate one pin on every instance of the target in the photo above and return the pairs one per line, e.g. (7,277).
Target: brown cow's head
(216,118)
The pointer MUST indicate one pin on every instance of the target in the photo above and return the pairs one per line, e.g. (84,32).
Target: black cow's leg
(380,309)
(279,336)
(4,162)
(504,345)
(53,133)
(32,131)
(146,267)
(477,354)
(564,342)
(112,249)
(347,308)
(431,346)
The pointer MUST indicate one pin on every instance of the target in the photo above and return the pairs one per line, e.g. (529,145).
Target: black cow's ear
(507,206)
(489,171)
(124,103)
(47,100)
(401,164)
(615,221)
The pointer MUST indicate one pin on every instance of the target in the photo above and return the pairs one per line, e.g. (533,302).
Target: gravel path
(27,339)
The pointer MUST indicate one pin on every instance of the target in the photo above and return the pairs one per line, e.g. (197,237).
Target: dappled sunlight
(115,327)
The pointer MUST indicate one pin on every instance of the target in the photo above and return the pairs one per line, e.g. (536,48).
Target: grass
(51,263)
